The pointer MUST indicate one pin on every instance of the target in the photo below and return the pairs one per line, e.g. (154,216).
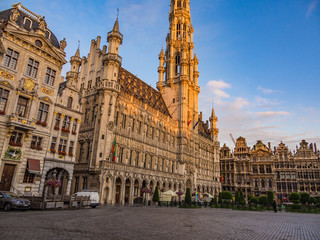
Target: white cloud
(267,91)
(216,87)
(312,6)
(266,103)
(271,114)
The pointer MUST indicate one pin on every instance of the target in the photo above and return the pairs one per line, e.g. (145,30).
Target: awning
(33,166)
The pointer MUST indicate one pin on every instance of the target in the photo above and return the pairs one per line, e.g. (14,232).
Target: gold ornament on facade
(28,85)
(6,75)
(47,91)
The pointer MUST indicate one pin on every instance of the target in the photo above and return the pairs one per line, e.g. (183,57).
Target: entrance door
(7,176)
(118,189)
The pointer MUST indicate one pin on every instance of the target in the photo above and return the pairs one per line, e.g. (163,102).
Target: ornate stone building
(31,96)
(258,170)
(159,137)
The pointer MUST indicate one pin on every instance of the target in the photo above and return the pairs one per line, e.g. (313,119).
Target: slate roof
(132,85)
(5,15)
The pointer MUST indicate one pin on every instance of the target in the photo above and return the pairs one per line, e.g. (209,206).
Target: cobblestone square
(115,223)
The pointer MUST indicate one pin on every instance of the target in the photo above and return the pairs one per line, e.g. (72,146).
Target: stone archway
(106,195)
(118,191)
(127,191)
(57,182)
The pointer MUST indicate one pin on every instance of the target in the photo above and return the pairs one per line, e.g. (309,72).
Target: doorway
(7,176)
(118,190)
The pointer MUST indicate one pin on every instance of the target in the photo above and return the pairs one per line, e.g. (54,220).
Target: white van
(94,197)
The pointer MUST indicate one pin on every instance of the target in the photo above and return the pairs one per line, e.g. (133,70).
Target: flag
(114,150)
(195,125)
(191,119)
(221,179)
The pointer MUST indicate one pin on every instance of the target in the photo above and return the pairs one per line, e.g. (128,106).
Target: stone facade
(260,169)
(31,93)
(133,137)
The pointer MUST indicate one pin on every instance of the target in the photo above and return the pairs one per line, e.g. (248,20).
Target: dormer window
(27,23)
(48,34)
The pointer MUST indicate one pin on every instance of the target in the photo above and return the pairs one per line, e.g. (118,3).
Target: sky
(259,60)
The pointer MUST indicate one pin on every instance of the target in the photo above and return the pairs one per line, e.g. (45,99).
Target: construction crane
(233,139)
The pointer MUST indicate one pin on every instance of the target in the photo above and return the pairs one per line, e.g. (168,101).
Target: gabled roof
(203,129)
(141,91)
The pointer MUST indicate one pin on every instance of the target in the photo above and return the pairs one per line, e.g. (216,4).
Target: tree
(304,197)
(312,200)
(241,200)
(237,197)
(226,195)
(156,197)
(263,200)
(188,197)
(294,197)
(270,196)
(254,199)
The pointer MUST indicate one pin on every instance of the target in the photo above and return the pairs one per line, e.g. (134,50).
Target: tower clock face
(110,126)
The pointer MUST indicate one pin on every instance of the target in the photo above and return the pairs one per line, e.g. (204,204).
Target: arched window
(179,4)
(70,100)
(177,66)
(184,31)
(48,34)
(185,4)
(27,23)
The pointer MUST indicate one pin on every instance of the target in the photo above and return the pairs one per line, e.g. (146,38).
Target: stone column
(69,186)
(122,192)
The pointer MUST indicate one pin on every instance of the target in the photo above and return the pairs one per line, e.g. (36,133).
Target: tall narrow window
(137,160)
(76,184)
(70,100)
(179,4)
(53,144)
(75,125)
(66,123)
(32,68)
(57,122)
(11,59)
(177,67)
(178,31)
(4,94)
(184,31)
(43,113)
(120,155)
(21,109)
(71,146)
(50,76)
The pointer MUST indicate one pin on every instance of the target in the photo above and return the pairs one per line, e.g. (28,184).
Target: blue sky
(259,60)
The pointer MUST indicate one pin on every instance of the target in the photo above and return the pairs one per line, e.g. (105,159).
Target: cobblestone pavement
(113,223)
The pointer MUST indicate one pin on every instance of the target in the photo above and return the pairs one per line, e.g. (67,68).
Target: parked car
(94,197)
(9,200)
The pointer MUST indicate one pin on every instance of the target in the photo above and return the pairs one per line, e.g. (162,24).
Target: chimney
(200,116)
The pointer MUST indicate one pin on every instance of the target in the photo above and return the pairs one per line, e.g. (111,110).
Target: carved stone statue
(63,44)
(42,24)
(15,15)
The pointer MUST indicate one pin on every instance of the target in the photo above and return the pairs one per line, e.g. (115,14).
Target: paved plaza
(117,223)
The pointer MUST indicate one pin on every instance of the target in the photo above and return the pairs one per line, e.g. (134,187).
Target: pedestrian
(274,204)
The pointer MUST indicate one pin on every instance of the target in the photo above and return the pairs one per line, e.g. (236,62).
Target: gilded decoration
(13,153)
(6,75)
(29,85)
(47,91)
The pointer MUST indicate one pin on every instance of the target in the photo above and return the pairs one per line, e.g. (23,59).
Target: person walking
(274,204)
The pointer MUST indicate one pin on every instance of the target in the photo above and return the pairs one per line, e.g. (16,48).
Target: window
(43,112)
(76,184)
(50,76)
(53,144)
(177,68)
(124,121)
(66,124)
(255,169)
(270,183)
(70,100)
(74,126)
(132,128)
(62,146)
(57,122)
(48,34)
(71,147)
(178,31)
(137,160)
(89,151)
(21,109)
(11,59)
(179,4)
(139,127)
(120,155)
(89,84)
(27,23)
(261,168)
(81,152)
(28,177)
(130,159)
(15,139)
(268,168)
(84,182)
(4,94)
(36,143)
(32,68)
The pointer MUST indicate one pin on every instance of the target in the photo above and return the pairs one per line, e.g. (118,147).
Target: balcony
(20,122)
(113,57)
(71,75)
